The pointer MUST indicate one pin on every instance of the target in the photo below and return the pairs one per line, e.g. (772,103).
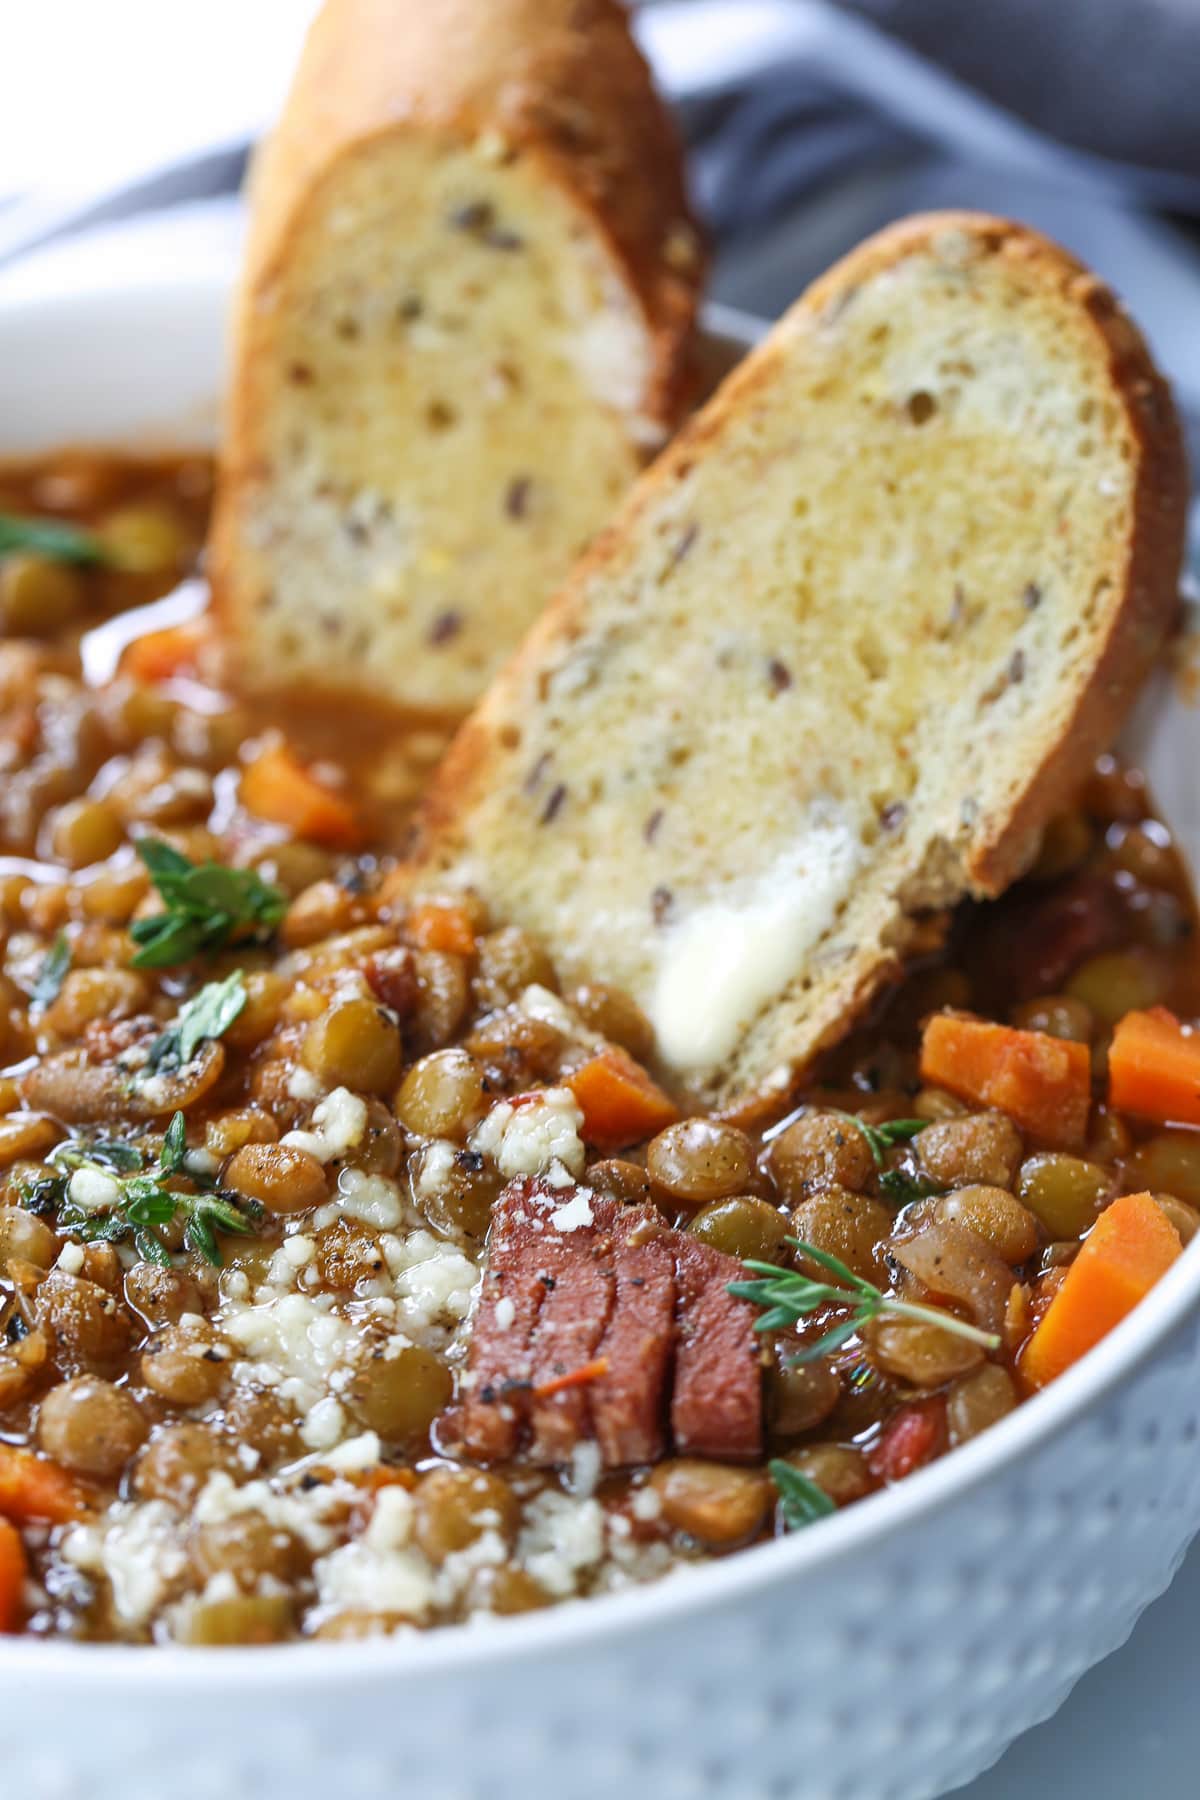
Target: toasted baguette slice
(849,645)
(465,315)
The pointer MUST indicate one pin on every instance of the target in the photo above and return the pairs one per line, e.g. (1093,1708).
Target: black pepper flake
(650,828)
(410,308)
(516,497)
(447,625)
(1031,599)
(554,803)
(1016,667)
(469,1161)
(779,675)
(662,902)
(893,814)
(547,1281)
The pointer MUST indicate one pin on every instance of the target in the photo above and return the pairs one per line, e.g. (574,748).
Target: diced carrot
(277,787)
(13,1570)
(1131,1244)
(436,925)
(32,1487)
(580,1377)
(1154,1067)
(160,655)
(911,1438)
(620,1102)
(1043,1083)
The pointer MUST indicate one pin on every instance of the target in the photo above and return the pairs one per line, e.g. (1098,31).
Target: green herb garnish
(50,537)
(52,973)
(136,1202)
(882,1138)
(208,1014)
(801,1501)
(901,1189)
(787,1296)
(207,906)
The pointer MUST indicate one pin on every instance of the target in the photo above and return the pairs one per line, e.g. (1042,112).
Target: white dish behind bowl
(889,1654)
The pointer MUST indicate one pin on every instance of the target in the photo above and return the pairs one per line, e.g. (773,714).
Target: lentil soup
(355,1277)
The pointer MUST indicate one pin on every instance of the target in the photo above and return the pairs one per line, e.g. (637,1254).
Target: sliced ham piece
(617,1286)
(716,1407)
(627,1402)
(519,1276)
(569,1327)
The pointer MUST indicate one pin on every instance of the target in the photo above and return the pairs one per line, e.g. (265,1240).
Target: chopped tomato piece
(913,1437)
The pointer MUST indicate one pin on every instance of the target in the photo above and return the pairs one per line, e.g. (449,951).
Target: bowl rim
(602,1620)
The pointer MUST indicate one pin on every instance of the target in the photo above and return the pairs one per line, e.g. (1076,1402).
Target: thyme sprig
(787,1296)
(205,907)
(882,1138)
(899,1187)
(122,1196)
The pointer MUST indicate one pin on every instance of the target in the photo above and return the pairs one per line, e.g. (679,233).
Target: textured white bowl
(891,1653)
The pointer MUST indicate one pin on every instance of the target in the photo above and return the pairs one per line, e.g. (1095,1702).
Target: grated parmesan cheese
(338,1124)
(528,1139)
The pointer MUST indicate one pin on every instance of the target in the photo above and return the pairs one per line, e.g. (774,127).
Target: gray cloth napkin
(1117,77)
(1105,90)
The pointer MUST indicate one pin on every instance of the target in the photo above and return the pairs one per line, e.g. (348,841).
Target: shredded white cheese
(528,1139)
(338,1123)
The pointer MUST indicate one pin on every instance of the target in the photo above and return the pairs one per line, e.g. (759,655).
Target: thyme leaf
(132,1200)
(902,1189)
(786,1296)
(882,1138)
(52,973)
(208,1014)
(801,1501)
(205,907)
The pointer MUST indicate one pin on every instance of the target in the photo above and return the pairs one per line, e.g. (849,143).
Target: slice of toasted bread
(849,645)
(465,317)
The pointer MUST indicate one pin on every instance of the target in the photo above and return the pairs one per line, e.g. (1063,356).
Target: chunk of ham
(577,1280)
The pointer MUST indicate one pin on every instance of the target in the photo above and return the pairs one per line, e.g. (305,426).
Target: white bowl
(891,1653)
